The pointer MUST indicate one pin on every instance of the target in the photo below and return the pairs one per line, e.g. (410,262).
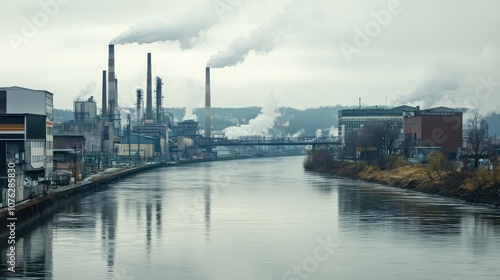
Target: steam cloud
(260,126)
(189,114)
(261,40)
(333,131)
(472,84)
(186,29)
(89,89)
(191,89)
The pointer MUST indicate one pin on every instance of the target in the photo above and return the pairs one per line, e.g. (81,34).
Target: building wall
(17,102)
(69,142)
(147,150)
(444,131)
(91,131)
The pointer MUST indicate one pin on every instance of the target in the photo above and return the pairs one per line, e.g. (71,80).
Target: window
(3,102)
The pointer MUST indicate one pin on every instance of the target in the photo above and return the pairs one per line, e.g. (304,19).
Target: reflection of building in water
(33,252)
(149,215)
(207,195)
(109,221)
(396,209)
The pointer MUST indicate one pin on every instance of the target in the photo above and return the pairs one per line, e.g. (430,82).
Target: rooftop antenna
(360,103)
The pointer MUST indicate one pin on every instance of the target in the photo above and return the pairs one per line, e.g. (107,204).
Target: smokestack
(208,128)
(104,97)
(138,104)
(149,93)
(159,83)
(111,80)
(116,93)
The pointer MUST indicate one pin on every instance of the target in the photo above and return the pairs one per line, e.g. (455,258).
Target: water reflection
(109,220)
(373,206)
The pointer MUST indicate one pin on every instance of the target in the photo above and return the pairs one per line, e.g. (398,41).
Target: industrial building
(433,129)
(68,154)
(26,140)
(350,121)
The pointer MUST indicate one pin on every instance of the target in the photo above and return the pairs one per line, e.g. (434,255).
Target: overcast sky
(306,53)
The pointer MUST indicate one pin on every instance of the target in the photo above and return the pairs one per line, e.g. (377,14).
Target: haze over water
(257,219)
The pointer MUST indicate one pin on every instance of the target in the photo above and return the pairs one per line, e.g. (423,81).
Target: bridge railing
(267,140)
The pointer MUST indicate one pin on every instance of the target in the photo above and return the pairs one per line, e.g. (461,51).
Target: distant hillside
(291,121)
(62,115)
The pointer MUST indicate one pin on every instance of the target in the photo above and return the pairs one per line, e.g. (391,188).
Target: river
(262,218)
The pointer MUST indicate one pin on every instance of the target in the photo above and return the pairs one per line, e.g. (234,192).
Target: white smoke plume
(186,29)
(318,133)
(473,83)
(189,114)
(88,90)
(298,133)
(191,89)
(260,125)
(333,131)
(261,40)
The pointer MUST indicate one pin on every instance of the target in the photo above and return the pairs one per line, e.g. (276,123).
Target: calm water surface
(258,219)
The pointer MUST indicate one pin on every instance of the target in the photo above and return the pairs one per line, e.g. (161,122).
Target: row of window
(37,144)
(50,130)
(372,119)
(49,145)
(38,158)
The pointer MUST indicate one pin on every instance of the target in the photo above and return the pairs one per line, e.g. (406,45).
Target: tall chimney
(116,93)
(159,83)
(149,93)
(111,80)
(104,112)
(208,128)
(138,108)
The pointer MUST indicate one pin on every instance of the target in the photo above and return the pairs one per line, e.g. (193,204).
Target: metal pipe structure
(116,93)
(138,105)
(159,97)
(149,92)
(208,128)
(104,112)
(111,81)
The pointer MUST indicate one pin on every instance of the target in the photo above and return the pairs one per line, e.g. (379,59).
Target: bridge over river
(266,141)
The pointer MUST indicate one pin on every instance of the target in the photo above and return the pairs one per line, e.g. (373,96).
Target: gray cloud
(185,30)
(261,40)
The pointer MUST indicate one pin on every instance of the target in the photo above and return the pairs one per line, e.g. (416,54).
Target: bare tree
(478,139)
(371,136)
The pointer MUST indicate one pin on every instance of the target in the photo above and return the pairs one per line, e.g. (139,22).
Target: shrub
(319,160)
(439,163)
(394,161)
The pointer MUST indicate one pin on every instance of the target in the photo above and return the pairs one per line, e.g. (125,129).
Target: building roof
(22,88)
(377,111)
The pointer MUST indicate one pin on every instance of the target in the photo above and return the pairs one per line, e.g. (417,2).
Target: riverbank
(473,186)
(34,208)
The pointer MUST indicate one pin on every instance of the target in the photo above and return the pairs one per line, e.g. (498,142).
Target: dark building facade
(437,127)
